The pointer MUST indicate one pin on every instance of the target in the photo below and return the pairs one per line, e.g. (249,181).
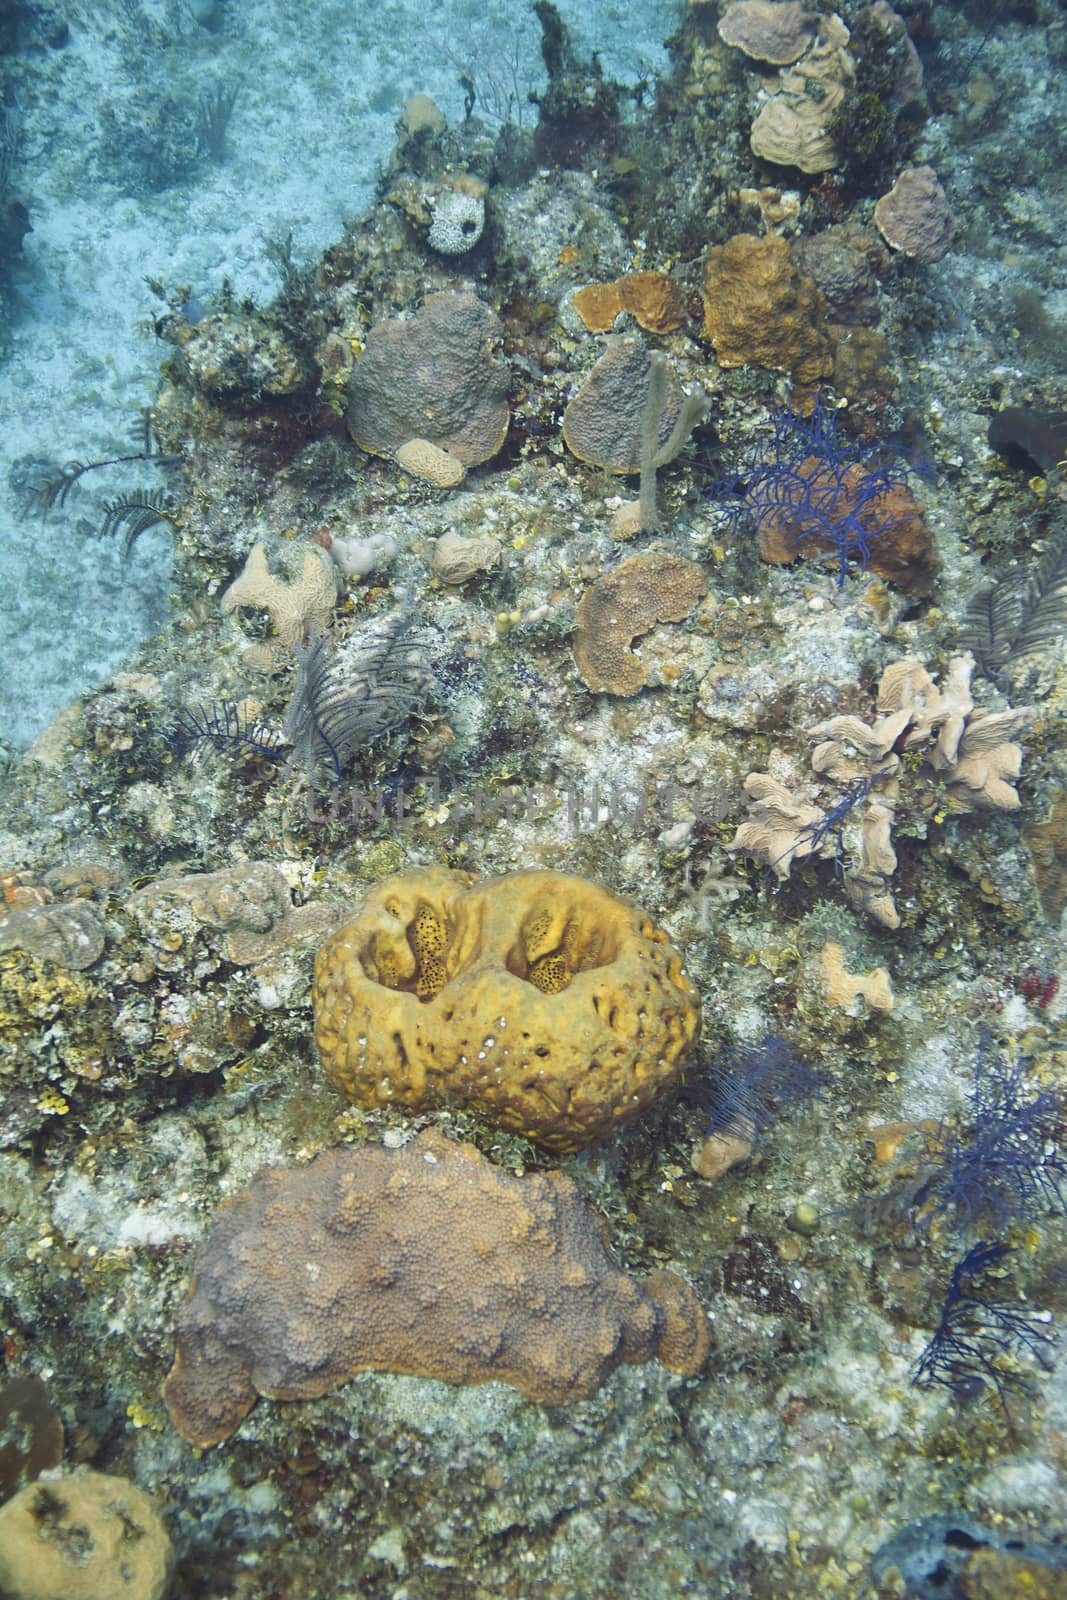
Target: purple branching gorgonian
(803,479)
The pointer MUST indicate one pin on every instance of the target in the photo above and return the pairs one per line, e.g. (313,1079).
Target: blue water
(116,194)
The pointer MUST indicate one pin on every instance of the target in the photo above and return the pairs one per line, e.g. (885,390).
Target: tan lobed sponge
(428,1261)
(543,1000)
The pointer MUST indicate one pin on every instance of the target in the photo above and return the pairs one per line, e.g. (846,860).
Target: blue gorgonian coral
(804,482)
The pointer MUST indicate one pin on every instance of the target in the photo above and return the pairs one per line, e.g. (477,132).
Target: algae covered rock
(89,1536)
(428,1261)
(557,1008)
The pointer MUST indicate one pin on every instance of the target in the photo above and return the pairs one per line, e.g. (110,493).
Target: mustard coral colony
(544,1000)
(426,1260)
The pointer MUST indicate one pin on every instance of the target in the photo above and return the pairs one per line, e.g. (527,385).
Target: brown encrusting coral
(655,586)
(914,217)
(759,310)
(775,31)
(434,377)
(426,1260)
(901,546)
(653,299)
(604,422)
(555,1007)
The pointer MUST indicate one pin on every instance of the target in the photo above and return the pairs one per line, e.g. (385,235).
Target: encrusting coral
(653,299)
(426,1260)
(543,1000)
(760,311)
(250,903)
(605,422)
(70,935)
(793,127)
(914,217)
(655,586)
(432,377)
(775,31)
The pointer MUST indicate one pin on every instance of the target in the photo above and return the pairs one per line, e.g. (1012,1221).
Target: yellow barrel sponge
(544,1000)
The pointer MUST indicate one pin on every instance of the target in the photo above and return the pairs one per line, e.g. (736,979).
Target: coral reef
(553,1006)
(425,1260)
(479,685)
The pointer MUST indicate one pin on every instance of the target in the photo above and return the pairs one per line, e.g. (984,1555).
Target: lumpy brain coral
(426,1260)
(544,1000)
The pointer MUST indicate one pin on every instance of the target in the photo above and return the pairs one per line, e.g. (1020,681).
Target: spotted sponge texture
(544,1000)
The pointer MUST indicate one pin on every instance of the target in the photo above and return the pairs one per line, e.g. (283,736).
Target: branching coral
(971,750)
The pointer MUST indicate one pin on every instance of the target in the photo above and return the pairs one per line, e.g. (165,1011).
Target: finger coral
(426,1260)
(552,1005)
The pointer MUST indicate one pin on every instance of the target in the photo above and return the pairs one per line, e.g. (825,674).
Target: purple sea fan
(979,1338)
(1004,1162)
(804,483)
(756,1087)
